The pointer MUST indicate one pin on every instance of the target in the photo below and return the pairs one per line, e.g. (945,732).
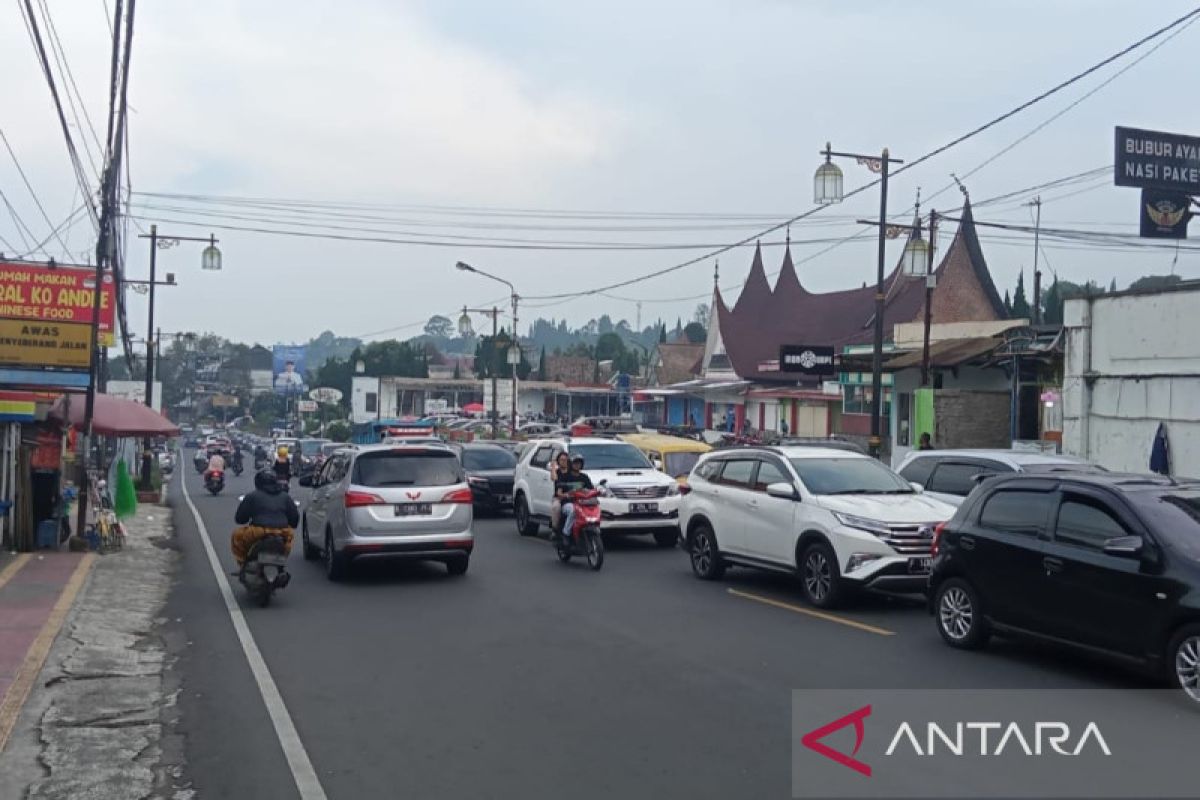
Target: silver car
(389,501)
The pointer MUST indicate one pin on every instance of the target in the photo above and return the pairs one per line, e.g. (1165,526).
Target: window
(372,402)
(541,457)
(958,478)
(849,475)
(616,455)
(1017,511)
(1087,523)
(681,463)
(918,470)
(768,473)
(738,473)
(328,471)
(856,399)
(481,458)
(708,470)
(429,468)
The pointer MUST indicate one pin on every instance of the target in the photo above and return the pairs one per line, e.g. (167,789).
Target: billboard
(287,368)
(55,294)
(1157,160)
(30,343)
(1165,215)
(807,359)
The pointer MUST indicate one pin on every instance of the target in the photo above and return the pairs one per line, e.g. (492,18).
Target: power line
(36,200)
(64,71)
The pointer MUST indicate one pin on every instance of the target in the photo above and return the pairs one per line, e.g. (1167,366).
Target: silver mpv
(389,501)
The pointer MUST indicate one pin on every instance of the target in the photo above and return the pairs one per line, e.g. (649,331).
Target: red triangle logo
(812,740)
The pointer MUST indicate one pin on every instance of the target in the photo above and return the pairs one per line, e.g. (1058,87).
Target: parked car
(489,469)
(673,455)
(640,499)
(950,475)
(1107,562)
(389,501)
(838,520)
(537,428)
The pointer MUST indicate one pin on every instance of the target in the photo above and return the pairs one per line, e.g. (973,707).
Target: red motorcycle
(214,481)
(585,530)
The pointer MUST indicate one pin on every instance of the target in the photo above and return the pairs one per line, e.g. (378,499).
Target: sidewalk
(82,669)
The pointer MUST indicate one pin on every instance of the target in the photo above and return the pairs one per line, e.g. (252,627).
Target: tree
(457,370)
(439,327)
(1007,304)
(609,347)
(695,333)
(1155,282)
(1112,286)
(541,370)
(338,430)
(700,315)
(1020,306)
(662,334)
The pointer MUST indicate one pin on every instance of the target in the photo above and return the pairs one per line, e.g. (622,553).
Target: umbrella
(114,416)
(474,408)
(1160,452)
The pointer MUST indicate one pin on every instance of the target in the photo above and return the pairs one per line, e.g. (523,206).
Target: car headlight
(673,490)
(863,524)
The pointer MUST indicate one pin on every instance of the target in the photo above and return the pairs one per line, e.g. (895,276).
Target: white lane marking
(303,773)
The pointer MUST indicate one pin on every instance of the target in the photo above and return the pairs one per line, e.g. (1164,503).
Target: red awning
(473,408)
(115,416)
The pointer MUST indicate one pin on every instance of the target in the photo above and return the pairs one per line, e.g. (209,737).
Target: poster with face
(288,369)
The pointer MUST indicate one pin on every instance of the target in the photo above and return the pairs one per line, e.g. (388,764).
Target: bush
(338,431)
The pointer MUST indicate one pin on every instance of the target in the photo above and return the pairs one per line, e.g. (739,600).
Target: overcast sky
(624,106)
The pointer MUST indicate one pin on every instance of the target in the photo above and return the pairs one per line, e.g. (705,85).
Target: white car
(951,475)
(640,499)
(838,520)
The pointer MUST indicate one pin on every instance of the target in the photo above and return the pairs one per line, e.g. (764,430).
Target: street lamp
(465,328)
(465,267)
(827,189)
(210,257)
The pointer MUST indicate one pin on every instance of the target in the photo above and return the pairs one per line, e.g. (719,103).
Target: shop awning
(114,416)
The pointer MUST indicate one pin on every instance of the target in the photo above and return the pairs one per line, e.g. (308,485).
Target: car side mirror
(916,487)
(1125,546)
(307,480)
(784,491)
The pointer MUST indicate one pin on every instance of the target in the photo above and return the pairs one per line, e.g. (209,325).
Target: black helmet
(577,460)
(265,478)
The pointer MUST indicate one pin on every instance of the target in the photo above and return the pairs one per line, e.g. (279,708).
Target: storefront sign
(1157,160)
(225,401)
(806,359)
(306,406)
(55,294)
(1165,215)
(31,343)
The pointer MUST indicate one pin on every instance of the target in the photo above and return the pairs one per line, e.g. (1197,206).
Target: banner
(38,344)
(287,368)
(807,359)
(56,294)
(1157,160)
(1164,215)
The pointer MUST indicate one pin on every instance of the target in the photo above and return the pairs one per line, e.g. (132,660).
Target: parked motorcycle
(214,481)
(265,569)
(585,531)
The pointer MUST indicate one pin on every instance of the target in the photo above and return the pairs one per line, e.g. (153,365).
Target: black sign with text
(1164,215)
(806,359)
(1157,160)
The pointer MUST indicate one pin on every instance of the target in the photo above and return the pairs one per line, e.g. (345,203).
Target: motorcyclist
(267,511)
(216,463)
(282,466)
(235,457)
(565,487)
(260,456)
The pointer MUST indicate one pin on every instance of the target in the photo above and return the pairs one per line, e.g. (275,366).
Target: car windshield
(481,458)
(416,468)
(680,463)
(330,449)
(1062,466)
(310,447)
(848,476)
(614,455)
(1178,513)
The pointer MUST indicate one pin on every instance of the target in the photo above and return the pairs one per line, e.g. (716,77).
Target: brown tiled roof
(680,362)
(763,319)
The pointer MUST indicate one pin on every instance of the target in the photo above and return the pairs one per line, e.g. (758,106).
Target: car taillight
(358,499)
(937,538)
(458,496)
(684,488)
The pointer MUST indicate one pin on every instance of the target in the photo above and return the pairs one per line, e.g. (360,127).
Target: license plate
(918,566)
(414,509)
(643,508)
(272,559)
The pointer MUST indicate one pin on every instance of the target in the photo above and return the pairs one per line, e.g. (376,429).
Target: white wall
(360,385)
(1133,361)
(136,391)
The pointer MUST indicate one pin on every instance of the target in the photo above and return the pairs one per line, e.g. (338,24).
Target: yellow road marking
(13,568)
(18,691)
(862,626)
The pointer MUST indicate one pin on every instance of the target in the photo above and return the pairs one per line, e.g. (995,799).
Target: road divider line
(305,777)
(18,691)
(13,568)
(809,612)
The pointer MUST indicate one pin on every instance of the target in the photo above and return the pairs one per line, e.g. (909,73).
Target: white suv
(838,520)
(640,499)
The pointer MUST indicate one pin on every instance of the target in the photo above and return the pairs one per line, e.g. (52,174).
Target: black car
(489,469)
(1106,562)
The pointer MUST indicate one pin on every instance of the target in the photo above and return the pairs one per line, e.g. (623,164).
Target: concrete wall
(1133,361)
(969,418)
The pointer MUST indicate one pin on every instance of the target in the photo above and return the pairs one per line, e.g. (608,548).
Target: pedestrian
(783,426)
(925,442)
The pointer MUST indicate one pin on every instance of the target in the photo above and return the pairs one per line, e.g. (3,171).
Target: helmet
(282,452)
(577,460)
(265,478)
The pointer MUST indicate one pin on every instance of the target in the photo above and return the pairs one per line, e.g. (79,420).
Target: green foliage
(1155,282)
(1020,306)
(338,431)
(439,327)
(541,370)
(695,333)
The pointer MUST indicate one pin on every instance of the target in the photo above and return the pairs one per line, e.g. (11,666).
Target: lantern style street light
(465,267)
(827,183)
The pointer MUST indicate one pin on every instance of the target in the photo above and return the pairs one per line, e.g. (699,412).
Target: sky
(436,120)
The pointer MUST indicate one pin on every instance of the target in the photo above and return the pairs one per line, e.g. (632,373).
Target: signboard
(30,343)
(225,401)
(1157,160)
(806,359)
(55,294)
(287,368)
(1164,215)
(325,394)
(306,406)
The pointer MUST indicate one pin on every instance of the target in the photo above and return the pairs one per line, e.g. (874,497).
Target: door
(810,420)
(1092,597)
(1001,553)
(735,487)
(325,482)
(770,527)
(537,477)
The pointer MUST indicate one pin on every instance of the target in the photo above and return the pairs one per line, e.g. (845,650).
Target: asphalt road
(527,678)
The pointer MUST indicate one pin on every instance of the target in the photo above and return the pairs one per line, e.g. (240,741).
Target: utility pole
(1037,273)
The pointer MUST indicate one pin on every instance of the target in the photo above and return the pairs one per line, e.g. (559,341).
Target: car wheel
(336,565)
(525,525)
(458,565)
(959,615)
(705,554)
(307,548)
(666,537)
(1183,661)
(820,577)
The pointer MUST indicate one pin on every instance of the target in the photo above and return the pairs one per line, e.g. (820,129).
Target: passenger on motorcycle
(216,463)
(236,457)
(267,511)
(566,485)
(282,466)
(560,467)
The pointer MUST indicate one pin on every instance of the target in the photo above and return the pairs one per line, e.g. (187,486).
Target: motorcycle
(236,466)
(585,531)
(214,481)
(265,569)
(200,462)
(261,463)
